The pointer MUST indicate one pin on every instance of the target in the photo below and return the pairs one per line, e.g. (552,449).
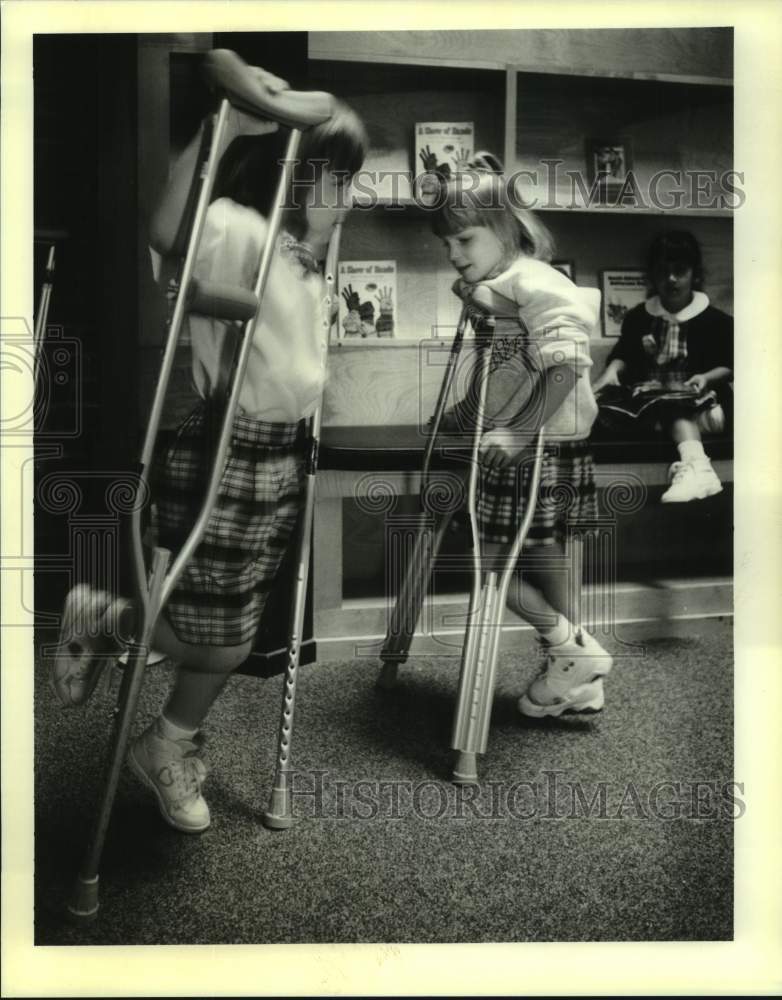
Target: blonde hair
(483,196)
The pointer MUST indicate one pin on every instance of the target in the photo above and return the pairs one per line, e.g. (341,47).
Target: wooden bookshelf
(702,56)
(536,97)
(533,96)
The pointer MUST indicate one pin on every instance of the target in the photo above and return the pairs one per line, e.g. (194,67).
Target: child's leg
(213,614)
(165,757)
(683,430)
(548,590)
(542,595)
(549,598)
(692,478)
(201,675)
(193,694)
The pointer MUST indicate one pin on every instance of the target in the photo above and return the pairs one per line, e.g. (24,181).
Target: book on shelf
(441,149)
(367,299)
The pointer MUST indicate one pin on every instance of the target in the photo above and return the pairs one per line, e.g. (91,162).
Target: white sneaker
(691,481)
(172,770)
(93,628)
(93,622)
(570,681)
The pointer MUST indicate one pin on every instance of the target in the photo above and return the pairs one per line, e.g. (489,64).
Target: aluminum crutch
(418,572)
(242,88)
(42,315)
(487,604)
(279,814)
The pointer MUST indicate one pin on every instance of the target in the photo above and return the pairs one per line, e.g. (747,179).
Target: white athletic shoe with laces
(570,681)
(93,628)
(694,480)
(93,622)
(172,770)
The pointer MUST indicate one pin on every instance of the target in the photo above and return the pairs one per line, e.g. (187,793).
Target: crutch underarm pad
(227,302)
(245,88)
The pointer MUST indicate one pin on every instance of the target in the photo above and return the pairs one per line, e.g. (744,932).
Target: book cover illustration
(441,149)
(621,288)
(367,299)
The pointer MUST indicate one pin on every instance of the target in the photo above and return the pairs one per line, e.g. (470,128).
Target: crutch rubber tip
(278,816)
(465,769)
(83,904)
(388,676)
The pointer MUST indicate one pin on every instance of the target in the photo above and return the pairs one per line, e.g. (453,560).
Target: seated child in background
(680,347)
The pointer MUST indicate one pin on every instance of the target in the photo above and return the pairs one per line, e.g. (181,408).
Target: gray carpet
(417,861)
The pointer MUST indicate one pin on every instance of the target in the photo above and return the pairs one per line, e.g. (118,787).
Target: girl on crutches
(536,325)
(210,619)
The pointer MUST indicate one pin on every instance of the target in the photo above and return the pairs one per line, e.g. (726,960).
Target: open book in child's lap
(624,405)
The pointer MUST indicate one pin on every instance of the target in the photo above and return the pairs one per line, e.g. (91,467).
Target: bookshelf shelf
(686,79)
(701,57)
(412,207)
(678,213)
(536,97)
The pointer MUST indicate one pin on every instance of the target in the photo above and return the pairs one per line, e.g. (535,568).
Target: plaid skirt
(219,599)
(567,497)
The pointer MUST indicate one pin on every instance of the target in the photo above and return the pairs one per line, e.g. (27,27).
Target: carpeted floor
(617,829)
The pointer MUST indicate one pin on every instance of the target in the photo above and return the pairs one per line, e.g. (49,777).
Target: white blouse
(286,369)
(559,317)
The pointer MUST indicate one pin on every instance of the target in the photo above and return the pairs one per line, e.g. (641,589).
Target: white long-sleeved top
(558,317)
(286,369)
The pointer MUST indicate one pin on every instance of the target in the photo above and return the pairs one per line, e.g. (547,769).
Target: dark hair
(250,168)
(675,247)
(483,196)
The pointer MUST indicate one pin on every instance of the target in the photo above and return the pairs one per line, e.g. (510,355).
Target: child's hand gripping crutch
(279,815)
(261,96)
(487,605)
(418,571)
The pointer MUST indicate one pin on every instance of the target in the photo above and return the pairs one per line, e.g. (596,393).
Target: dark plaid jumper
(567,496)
(219,599)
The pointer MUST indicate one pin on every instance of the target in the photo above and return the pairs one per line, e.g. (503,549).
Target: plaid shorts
(567,497)
(219,599)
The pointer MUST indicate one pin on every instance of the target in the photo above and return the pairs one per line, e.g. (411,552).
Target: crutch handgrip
(227,302)
(246,87)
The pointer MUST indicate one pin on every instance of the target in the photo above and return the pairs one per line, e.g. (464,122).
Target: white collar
(700,302)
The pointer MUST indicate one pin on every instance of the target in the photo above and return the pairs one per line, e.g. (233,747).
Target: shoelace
(185,776)
(551,656)
(679,471)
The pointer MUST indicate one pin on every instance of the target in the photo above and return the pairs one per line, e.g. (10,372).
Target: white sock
(691,451)
(555,635)
(171,731)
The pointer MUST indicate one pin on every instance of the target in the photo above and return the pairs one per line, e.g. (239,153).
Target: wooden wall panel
(379,385)
(668,127)
(704,52)
(391,99)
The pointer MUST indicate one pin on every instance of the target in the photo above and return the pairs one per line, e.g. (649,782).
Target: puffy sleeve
(629,346)
(721,341)
(230,244)
(558,315)
(564,334)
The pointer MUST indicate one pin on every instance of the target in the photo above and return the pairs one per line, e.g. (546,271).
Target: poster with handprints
(441,149)
(367,299)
